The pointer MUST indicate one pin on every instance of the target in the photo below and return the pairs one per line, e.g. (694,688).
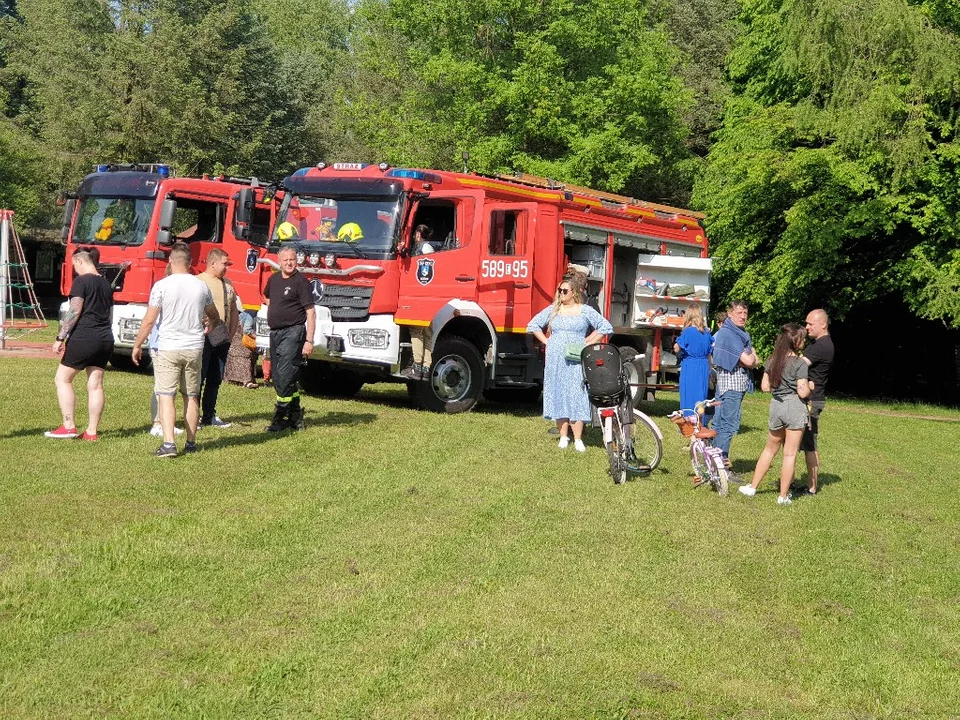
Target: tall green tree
(834,168)
(189,83)
(580,91)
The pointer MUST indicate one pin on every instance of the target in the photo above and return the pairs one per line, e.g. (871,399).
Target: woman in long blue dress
(569,321)
(694,347)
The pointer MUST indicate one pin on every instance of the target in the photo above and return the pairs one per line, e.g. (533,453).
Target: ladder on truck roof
(542,182)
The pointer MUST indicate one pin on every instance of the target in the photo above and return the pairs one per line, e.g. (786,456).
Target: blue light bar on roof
(415,175)
(163,170)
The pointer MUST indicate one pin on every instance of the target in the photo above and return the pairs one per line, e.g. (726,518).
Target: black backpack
(603,374)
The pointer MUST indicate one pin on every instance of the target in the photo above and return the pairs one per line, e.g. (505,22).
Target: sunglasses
(564,291)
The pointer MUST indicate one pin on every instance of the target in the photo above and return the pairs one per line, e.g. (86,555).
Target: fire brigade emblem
(425,271)
(251,260)
(316,286)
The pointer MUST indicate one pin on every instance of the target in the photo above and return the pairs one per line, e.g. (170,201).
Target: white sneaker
(784,500)
(564,441)
(748,490)
(579,446)
(157,431)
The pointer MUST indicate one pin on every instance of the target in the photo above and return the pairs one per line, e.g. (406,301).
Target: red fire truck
(500,245)
(133,213)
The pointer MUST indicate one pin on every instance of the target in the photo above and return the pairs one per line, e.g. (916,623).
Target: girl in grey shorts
(786,376)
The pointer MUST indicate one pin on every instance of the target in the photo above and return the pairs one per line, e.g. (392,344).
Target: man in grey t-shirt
(184,300)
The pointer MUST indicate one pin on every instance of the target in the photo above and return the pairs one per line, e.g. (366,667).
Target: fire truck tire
(636,369)
(456,377)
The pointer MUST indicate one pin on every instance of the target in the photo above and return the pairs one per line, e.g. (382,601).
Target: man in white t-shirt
(184,300)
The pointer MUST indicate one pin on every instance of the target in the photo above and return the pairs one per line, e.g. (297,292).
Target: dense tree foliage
(833,177)
(818,135)
(585,92)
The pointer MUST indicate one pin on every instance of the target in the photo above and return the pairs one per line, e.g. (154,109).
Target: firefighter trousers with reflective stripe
(286,344)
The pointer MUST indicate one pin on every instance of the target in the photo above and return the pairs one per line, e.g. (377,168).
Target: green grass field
(388,563)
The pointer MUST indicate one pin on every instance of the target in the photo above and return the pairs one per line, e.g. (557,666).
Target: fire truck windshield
(367,224)
(113,220)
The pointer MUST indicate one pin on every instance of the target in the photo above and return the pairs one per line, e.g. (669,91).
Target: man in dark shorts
(819,356)
(289,301)
(89,345)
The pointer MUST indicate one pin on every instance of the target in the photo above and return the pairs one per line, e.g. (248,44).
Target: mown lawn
(389,563)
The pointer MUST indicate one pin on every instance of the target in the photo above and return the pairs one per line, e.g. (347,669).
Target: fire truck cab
(133,213)
(499,247)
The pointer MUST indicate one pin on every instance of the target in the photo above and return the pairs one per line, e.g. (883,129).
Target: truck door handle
(521,286)
(465,278)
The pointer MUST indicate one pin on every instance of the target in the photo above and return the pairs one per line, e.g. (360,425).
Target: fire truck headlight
(329,260)
(301,257)
(314,259)
(374,339)
(129,327)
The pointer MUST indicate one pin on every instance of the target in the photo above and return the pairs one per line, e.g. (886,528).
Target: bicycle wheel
(720,478)
(645,446)
(700,462)
(618,469)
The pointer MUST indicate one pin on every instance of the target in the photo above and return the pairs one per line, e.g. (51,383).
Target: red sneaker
(88,437)
(62,433)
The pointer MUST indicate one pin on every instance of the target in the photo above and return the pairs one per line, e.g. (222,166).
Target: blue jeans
(726,421)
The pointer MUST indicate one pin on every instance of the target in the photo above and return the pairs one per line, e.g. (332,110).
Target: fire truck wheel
(636,369)
(456,377)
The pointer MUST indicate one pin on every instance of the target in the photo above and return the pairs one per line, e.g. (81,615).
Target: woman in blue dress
(568,321)
(694,347)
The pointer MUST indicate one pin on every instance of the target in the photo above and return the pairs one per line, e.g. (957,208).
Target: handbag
(572,351)
(218,335)
(249,342)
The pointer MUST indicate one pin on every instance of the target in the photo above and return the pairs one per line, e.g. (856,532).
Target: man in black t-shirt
(819,356)
(90,345)
(289,301)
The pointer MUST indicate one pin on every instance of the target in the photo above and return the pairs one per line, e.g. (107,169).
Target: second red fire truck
(133,213)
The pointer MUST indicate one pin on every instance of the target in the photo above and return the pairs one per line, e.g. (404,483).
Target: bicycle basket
(685,426)
(603,374)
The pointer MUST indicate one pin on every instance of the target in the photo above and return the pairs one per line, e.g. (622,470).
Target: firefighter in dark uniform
(289,306)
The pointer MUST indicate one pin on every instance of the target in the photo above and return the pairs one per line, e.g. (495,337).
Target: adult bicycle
(633,441)
(706,460)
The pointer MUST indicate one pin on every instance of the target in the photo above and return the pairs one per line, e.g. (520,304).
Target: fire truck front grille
(347,303)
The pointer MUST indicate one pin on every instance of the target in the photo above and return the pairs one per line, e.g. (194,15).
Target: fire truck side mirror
(68,208)
(243,213)
(167,212)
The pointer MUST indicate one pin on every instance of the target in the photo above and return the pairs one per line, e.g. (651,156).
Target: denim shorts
(789,413)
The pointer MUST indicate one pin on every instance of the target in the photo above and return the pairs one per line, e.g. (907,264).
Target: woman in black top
(89,345)
(786,376)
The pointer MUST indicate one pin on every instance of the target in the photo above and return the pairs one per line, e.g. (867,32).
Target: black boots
(278,423)
(287,417)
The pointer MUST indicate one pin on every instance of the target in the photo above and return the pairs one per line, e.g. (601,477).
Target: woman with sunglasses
(568,320)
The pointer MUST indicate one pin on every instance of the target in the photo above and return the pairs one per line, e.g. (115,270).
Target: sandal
(251,386)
